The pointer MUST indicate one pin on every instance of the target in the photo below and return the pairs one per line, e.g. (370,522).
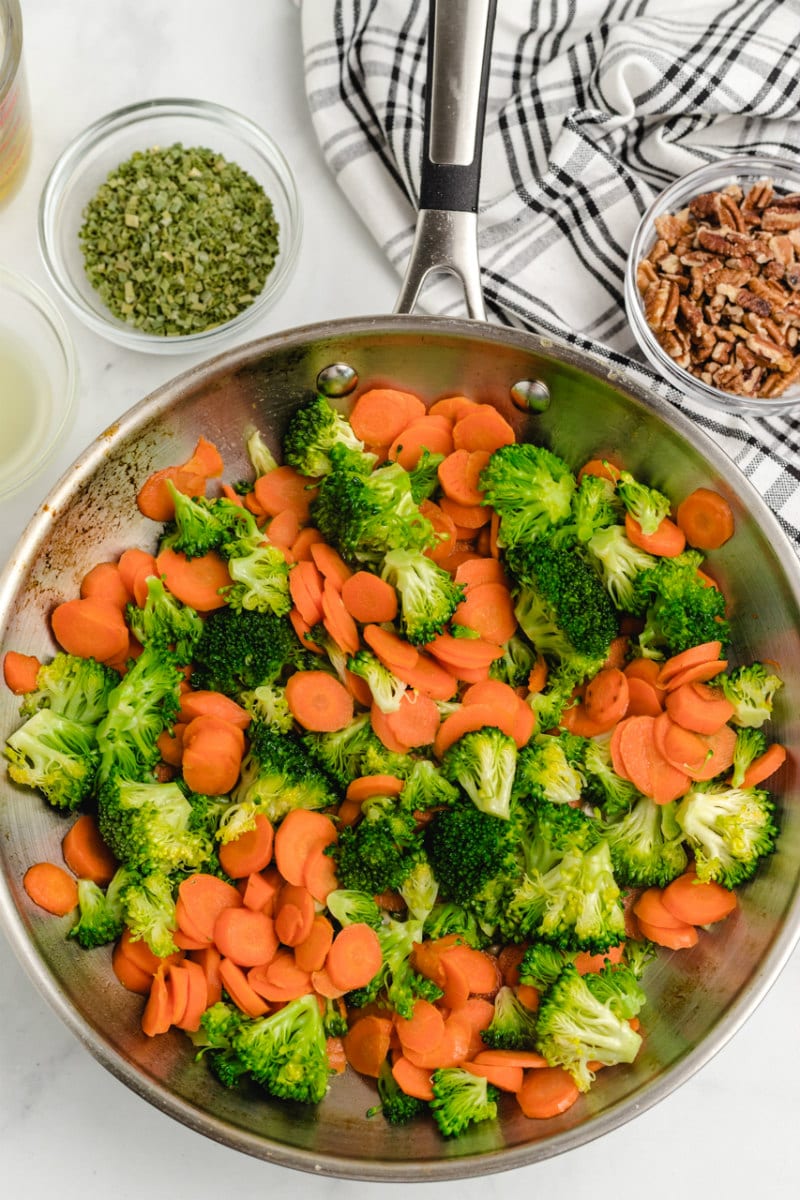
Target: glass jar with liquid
(15,124)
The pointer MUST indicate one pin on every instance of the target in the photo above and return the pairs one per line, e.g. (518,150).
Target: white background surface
(68,1126)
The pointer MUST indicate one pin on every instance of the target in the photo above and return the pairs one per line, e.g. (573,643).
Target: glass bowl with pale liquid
(38,378)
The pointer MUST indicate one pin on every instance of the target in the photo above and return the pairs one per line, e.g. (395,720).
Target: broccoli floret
(387,690)
(277,775)
(513,1026)
(425,475)
(148,906)
(100,912)
(214,1039)
(260,575)
(452,918)
(466,848)
(751,690)
(419,890)
(750,744)
(261,457)
(242,650)
(619,562)
(350,907)
(576,1028)
(530,488)
(518,660)
(680,610)
(483,762)
(395,1105)
(56,756)
(377,759)
(646,844)
(73,687)
(617,986)
(341,753)
(429,596)
(285,1051)
(376,854)
(602,785)
(570,592)
(646,505)
(367,516)
(426,787)
(313,429)
(267,703)
(147,825)
(143,704)
(544,772)
(594,507)
(201,525)
(396,983)
(541,964)
(460,1099)
(164,622)
(729,830)
(558,694)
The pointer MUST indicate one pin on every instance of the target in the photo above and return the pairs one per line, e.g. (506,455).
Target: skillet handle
(446,235)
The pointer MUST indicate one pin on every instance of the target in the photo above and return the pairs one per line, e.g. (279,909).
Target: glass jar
(15,125)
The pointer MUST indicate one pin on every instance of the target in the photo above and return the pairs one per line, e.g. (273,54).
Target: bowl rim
(64,401)
(67,167)
(726,171)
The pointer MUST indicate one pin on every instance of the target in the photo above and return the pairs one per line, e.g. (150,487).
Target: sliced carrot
(698,707)
(459,475)
(647,669)
(294,914)
(212,753)
(390,648)
(366,1044)
(482,428)
(414,1081)
(456,983)
(479,1012)
(369,599)
(20,671)
(105,581)
(479,967)
(358,688)
(281,979)
(51,888)
(464,652)
(614,746)
(719,757)
(699,673)
(696,903)
(422,1032)
(479,570)
(259,890)
(488,608)
(428,677)
(547,1092)
(600,467)
(445,529)
(493,691)
(646,768)
(606,696)
(765,765)
(649,907)
(322,985)
(682,937)
(380,414)
(284,488)
(90,628)
(318,701)
(355,956)
(330,564)
(366,786)
(203,897)
(706,519)
(416,721)
(311,952)
(644,699)
(157,1015)
(305,589)
(301,546)
(208,959)
(458,1043)
(139,953)
(526,1059)
(154,498)
(299,833)
(170,744)
(303,631)
(467,518)
(134,563)
(250,852)
(197,582)
(85,852)
(205,459)
(507,1079)
(337,1059)
(667,541)
(319,875)
(282,531)
(236,984)
(425,433)
(246,937)
(452,407)
(177,980)
(196,1000)
(468,719)
(684,749)
(201,702)
(338,621)
(184,942)
(587,964)
(130,976)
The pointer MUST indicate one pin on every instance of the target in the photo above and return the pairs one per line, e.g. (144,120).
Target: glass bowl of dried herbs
(170,226)
(712,287)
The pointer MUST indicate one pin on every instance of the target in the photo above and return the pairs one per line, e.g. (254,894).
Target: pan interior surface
(696,999)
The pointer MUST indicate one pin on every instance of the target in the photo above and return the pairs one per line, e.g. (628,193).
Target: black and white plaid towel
(594,106)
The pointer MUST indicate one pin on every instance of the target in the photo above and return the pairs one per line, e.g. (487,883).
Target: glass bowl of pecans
(712,287)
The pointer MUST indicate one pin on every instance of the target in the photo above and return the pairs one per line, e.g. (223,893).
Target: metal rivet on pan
(531,395)
(338,379)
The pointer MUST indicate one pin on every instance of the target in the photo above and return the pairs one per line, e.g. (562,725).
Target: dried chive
(178,240)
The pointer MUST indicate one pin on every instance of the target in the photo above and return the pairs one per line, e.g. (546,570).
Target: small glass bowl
(745,170)
(87,161)
(38,380)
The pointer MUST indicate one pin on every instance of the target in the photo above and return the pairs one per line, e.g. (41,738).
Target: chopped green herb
(178,240)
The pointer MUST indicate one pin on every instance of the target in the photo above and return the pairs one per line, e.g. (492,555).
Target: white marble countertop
(68,1126)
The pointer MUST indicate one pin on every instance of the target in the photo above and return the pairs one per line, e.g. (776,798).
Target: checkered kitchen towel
(594,105)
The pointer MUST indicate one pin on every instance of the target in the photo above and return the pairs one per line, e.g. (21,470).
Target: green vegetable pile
(178,240)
